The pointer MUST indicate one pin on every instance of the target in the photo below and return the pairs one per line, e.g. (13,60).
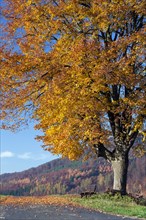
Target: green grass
(124,206)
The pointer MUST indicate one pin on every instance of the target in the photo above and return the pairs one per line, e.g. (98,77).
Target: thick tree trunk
(120,168)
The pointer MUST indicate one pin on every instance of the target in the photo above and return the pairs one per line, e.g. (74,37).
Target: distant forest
(62,176)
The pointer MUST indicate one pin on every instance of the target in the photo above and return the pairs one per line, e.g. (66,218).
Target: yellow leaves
(70,85)
(103,26)
(28,2)
(143,133)
(70,8)
(72,156)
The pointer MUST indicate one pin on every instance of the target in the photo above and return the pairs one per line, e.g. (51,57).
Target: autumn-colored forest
(62,176)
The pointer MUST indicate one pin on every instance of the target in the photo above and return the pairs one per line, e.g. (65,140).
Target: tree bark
(120,169)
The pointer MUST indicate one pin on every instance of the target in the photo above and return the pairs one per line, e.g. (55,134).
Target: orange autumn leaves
(43,200)
(75,63)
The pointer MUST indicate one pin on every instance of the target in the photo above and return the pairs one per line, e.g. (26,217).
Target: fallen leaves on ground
(36,200)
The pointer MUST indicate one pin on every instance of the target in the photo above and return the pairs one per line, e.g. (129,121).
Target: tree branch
(102,151)
(85,4)
(111,120)
(132,138)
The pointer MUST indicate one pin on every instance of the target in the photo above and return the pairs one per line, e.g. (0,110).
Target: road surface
(45,212)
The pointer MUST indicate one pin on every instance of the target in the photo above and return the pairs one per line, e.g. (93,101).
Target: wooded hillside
(62,176)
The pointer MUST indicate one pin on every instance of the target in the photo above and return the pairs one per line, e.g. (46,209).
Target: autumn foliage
(40,200)
(77,67)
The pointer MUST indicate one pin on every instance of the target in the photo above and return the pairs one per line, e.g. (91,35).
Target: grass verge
(124,206)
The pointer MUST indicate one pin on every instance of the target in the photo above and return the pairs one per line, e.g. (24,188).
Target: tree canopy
(77,67)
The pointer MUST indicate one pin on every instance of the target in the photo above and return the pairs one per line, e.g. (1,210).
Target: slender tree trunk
(120,168)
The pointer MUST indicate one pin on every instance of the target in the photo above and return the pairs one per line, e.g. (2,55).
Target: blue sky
(20,151)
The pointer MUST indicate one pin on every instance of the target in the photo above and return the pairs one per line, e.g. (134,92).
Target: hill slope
(64,176)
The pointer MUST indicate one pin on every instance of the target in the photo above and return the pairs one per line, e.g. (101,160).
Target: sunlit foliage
(77,67)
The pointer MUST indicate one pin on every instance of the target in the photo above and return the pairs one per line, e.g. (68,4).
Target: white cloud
(6,154)
(41,157)
(31,156)
(25,156)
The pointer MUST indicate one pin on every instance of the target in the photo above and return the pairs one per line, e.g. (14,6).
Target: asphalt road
(45,212)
